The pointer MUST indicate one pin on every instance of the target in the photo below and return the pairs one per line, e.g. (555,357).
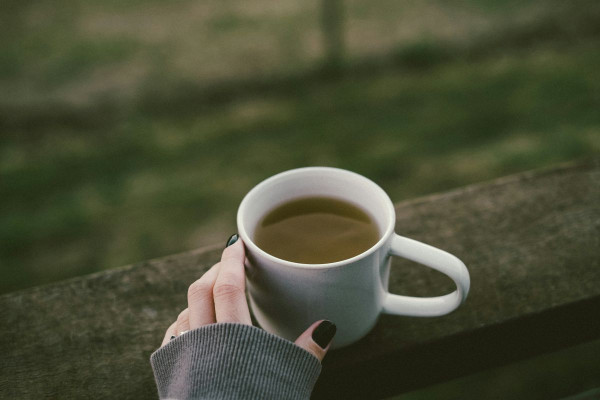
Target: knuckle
(227,291)
(183,316)
(199,290)
(171,328)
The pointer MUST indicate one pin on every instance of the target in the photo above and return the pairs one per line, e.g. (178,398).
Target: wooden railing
(531,243)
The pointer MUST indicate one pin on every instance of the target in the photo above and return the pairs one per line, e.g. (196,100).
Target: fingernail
(232,239)
(323,333)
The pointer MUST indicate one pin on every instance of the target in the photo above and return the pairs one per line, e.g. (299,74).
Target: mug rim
(389,229)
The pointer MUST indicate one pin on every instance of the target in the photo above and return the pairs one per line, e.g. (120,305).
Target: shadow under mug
(287,297)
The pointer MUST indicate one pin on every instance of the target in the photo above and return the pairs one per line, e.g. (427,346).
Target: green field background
(132,130)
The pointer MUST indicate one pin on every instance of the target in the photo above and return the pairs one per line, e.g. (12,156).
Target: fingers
(170,332)
(218,296)
(200,299)
(317,338)
(229,289)
(183,322)
(176,328)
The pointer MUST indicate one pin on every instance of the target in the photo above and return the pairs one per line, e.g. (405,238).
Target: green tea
(316,230)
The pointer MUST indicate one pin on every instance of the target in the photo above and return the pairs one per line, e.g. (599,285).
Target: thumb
(317,338)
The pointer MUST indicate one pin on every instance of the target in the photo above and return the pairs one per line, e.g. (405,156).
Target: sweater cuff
(233,361)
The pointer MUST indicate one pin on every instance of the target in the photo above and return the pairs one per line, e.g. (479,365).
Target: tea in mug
(316,230)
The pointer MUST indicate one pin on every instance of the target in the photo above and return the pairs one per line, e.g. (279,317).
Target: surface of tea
(316,230)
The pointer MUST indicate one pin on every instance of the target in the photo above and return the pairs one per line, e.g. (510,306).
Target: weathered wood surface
(531,243)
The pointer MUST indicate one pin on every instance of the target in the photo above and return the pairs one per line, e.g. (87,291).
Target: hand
(219,296)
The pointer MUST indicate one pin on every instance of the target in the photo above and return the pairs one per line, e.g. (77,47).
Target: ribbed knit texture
(233,361)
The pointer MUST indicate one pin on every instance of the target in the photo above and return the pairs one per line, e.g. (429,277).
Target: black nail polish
(232,239)
(323,333)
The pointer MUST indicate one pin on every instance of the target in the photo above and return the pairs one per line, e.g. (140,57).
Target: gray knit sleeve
(233,361)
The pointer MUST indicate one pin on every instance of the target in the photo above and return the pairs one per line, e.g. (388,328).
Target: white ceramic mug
(286,297)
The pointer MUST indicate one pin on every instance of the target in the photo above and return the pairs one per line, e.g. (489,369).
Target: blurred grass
(77,51)
(79,199)
(132,130)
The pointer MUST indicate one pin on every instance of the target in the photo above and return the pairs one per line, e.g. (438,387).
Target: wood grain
(531,243)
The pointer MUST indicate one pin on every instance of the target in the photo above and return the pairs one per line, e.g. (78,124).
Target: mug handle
(434,258)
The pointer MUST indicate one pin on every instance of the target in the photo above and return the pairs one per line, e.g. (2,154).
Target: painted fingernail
(323,333)
(232,239)
(173,337)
